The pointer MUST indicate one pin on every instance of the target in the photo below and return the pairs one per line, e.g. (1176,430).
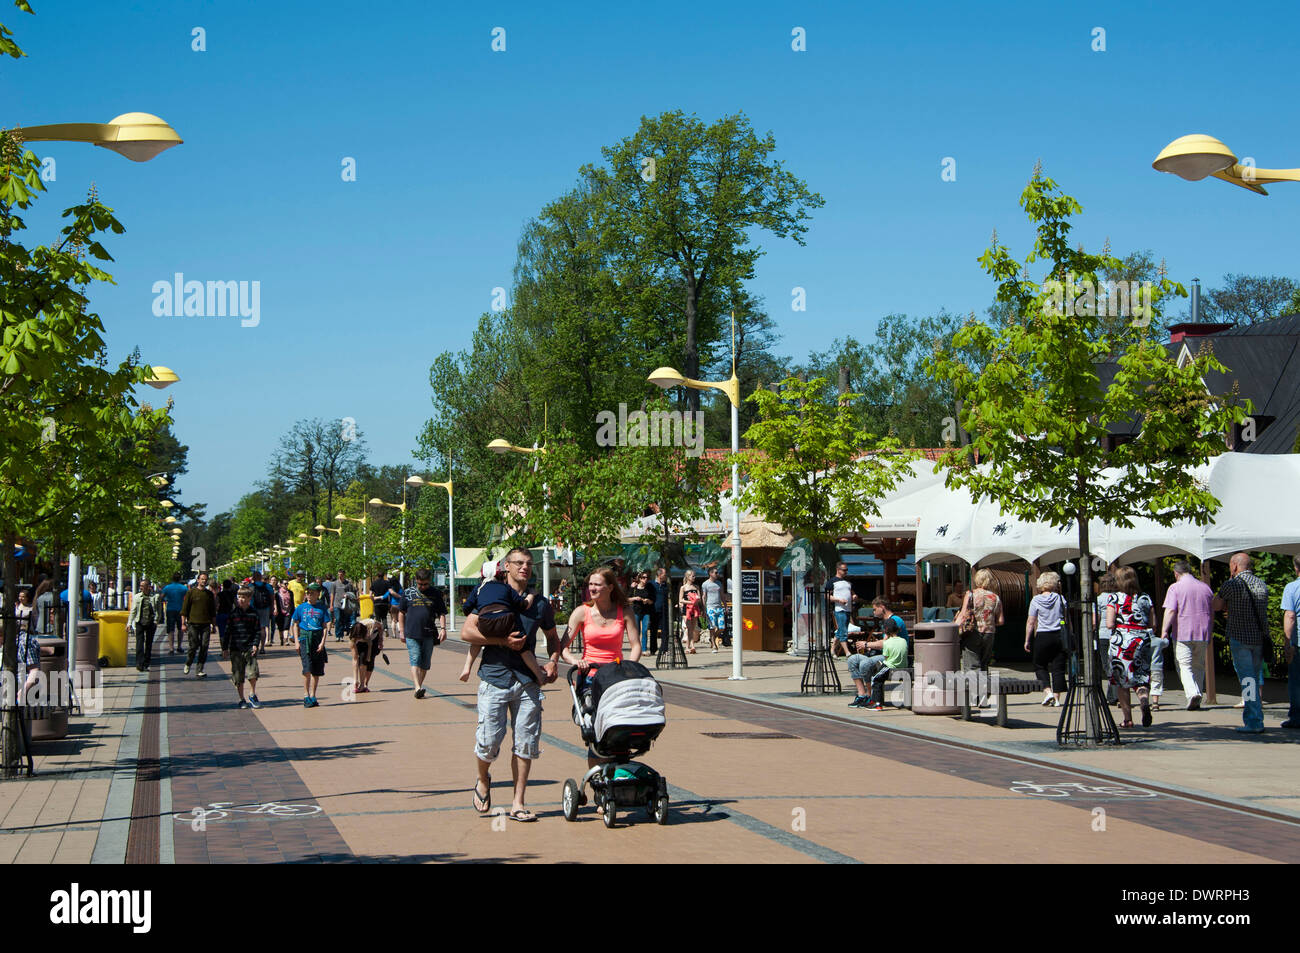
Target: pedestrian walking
(508,692)
(840,593)
(1129,620)
(263,599)
(981,614)
(309,636)
(244,632)
(659,616)
(642,599)
(1188,623)
(199,612)
(688,600)
(284,607)
(1244,597)
(225,606)
(174,597)
(1290,610)
(298,586)
(1045,630)
(147,608)
(420,615)
(344,606)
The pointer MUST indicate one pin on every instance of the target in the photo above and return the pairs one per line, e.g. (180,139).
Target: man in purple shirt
(1189,616)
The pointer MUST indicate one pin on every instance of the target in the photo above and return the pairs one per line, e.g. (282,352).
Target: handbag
(968,625)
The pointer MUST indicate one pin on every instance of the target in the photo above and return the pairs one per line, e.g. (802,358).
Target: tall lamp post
(451,549)
(505,446)
(376,501)
(365,565)
(667,378)
(1194,158)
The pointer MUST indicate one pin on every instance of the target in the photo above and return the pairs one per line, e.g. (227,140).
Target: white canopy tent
(1259,510)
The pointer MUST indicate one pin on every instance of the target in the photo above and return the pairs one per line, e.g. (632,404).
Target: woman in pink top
(605,621)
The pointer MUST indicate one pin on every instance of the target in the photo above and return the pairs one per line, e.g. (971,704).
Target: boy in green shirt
(875,669)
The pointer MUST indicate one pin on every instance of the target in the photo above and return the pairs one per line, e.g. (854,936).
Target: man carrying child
(508,690)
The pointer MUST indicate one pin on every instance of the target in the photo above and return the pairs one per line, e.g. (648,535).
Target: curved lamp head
(1194,157)
(666,377)
(414,481)
(376,501)
(162,377)
(499,446)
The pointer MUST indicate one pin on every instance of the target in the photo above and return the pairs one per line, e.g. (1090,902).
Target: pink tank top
(602,645)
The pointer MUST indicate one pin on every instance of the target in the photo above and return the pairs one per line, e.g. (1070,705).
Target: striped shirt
(1244,621)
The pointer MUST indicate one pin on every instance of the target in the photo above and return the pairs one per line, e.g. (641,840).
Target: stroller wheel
(609,808)
(570,802)
(661,810)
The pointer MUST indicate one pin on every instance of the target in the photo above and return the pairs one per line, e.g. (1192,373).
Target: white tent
(1259,510)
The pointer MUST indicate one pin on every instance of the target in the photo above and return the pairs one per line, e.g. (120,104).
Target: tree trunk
(9,728)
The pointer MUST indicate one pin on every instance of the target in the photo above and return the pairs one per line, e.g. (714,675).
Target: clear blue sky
(364,283)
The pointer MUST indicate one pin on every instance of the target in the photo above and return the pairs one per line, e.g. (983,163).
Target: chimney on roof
(1196,301)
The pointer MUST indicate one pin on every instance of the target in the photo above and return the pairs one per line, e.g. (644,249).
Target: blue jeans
(342,623)
(1158,646)
(1293,689)
(841,625)
(1248,660)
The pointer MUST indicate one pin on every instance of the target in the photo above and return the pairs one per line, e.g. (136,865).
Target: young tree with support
(1042,393)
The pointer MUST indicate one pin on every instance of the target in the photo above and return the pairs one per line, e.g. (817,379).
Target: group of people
(1130,653)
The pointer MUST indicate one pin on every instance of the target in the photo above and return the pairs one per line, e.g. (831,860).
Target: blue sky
(363,283)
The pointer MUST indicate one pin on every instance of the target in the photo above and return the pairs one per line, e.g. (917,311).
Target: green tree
(74,439)
(1037,408)
(806,469)
(679,205)
(1250,299)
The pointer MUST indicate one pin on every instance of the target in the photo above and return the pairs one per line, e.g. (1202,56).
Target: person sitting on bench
(875,669)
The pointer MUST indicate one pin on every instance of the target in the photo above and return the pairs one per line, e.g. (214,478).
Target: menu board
(751,586)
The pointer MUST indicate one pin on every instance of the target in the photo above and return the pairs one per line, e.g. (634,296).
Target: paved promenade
(173,772)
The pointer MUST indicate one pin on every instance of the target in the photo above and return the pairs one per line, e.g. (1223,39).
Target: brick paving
(387,778)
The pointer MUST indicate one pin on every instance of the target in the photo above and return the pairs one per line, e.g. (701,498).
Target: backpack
(260,599)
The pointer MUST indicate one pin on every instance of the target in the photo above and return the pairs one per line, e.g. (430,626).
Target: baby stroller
(619,718)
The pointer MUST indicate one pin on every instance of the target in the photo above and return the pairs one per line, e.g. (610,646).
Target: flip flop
(523,815)
(483,804)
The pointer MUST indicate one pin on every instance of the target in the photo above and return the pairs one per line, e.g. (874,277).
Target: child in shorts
(498,606)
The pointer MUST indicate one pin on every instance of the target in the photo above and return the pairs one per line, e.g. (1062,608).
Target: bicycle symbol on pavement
(199,817)
(1077,788)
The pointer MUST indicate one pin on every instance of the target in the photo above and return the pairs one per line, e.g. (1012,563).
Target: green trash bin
(112,636)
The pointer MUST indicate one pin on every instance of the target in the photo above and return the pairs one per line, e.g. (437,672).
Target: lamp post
(376,501)
(365,565)
(667,378)
(451,550)
(504,446)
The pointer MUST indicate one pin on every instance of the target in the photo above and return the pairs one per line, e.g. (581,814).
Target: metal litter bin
(937,683)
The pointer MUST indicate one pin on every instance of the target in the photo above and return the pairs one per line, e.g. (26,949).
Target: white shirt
(842,592)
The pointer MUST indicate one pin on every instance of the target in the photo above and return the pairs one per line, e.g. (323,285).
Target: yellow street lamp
(451,546)
(504,446)
(1195,157)
(138,136)
(162,377)
(667,378)
(326,529)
